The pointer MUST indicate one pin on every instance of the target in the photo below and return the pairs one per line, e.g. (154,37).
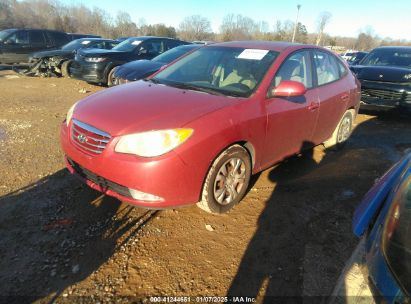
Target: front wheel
(110,77)
(342,132)
(65,68)
(227,180)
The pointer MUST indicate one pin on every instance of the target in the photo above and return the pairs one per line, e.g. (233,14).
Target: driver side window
(19,37)
(297,67)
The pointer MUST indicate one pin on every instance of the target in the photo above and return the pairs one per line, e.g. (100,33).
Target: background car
(97,66)
(57,62)
(140,69)
(384,219)
(348,54)
(356,58)
(198,129)
(16,45)
(385,76)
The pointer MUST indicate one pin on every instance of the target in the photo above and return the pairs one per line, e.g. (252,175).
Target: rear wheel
(65,68)
(227,180)
(342,132)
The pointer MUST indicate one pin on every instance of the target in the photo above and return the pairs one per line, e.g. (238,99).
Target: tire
(110,77)
(342,132)
(217,195)
(65,68)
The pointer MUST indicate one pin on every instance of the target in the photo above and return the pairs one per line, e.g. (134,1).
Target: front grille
(87,138)
(386,95)
(101,181)
(382,94)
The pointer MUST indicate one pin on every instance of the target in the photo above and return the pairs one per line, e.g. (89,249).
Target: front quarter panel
(243,121)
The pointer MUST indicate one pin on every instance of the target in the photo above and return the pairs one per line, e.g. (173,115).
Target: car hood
(52,53)
(382,73)
(144,106)
(137,69)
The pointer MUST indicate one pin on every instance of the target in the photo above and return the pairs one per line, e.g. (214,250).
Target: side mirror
(9,41)
(288,88)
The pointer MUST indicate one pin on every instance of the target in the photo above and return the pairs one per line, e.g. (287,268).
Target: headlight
(94,59)
(152,143)
(70,113)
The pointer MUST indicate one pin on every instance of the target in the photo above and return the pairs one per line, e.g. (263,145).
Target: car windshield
(76,44)
(219,70)
(397,235)
(4,34)
(128,45)
(174,53)
(389,57)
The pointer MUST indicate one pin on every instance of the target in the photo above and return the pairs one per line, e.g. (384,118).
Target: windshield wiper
(188,86)
(153,80)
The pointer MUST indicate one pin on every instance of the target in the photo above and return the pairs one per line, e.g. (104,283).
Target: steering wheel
(238,87)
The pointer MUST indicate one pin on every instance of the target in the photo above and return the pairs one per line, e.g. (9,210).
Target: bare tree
(367,39)
(238,28)
(124,26)
(323,19)
(195,27)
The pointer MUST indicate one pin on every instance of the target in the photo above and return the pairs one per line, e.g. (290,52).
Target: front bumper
(383,95)
(90,72)
(115,174)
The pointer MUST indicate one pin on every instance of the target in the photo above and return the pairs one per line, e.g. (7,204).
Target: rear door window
(153,47)
(59,38)
(169,44)
(37,38)
(326,67)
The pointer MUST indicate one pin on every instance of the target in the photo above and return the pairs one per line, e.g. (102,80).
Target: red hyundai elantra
(197,130)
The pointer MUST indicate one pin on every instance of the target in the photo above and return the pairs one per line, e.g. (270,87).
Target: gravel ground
(61,241)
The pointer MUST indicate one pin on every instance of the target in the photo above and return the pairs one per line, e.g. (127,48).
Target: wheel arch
(247,145)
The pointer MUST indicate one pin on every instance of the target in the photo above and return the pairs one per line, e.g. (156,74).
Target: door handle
(313,106)
(345,97)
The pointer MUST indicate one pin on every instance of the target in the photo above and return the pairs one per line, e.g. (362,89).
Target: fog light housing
(142,196)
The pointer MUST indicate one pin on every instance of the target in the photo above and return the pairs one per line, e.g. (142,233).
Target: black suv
(97,66)
(385,76)
(16,45)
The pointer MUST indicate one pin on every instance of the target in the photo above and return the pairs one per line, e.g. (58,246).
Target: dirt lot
(290,236)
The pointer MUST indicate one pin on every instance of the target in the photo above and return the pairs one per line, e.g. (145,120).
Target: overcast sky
(387,18)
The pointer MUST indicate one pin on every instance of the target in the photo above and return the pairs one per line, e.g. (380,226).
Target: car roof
(188,46)
(94,39)
(34,29)
(265,45)
(394,47)
(150,37)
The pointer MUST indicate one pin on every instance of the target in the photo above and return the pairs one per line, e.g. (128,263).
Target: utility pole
(296,22)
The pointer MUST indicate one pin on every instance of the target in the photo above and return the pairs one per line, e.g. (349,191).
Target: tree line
(53,14)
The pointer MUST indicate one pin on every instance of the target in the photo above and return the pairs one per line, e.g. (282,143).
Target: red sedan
(197,130)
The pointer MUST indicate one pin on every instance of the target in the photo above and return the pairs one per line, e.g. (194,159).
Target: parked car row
(98,65)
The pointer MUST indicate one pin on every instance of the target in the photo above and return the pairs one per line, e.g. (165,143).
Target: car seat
(241,74)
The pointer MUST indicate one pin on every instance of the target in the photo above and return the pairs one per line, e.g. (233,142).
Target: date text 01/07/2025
(201,299)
